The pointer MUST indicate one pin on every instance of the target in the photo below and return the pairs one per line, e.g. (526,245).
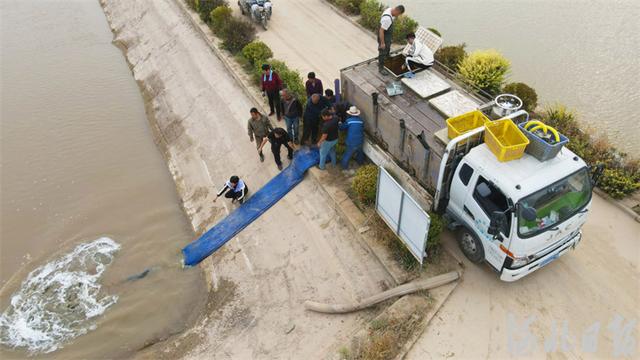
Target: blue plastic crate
(541,149)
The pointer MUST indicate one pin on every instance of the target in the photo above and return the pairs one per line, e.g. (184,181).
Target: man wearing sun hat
(354,126)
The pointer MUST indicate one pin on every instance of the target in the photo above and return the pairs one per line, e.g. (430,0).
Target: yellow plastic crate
(460,124)
(505,140)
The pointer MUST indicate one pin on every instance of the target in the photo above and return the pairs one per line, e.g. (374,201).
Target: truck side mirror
(596,174)
(497,222)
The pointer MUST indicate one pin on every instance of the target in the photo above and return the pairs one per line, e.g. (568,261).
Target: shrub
(485,69)
(218,19)
(618,183)
(621,175)
(193,4)
(351,7)
(403,26)
(435,31)
(365,182)
(526,93)
(451,56)
(257,52)
(237,33)
(435,229)
(370,12)
(206,6)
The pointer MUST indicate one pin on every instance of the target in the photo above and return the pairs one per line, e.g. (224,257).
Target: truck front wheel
(470,245)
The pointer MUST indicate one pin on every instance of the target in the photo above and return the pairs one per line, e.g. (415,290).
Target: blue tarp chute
(255,206)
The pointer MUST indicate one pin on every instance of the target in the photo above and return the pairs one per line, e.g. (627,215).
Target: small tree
(403,26)
(365,182)
(451,56)
(257,52)
(370,12)
(485,69)
(237,33)
(206,6)
(218,19)
(351,7)
(526,93)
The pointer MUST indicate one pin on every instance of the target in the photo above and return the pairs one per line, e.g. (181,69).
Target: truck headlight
(519,261)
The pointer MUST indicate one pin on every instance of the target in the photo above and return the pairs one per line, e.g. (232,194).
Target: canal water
(86,198)
(583,53)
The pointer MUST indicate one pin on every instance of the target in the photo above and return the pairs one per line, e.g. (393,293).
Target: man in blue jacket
(355,137)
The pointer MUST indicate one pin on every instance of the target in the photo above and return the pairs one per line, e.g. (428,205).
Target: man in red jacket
(271,85)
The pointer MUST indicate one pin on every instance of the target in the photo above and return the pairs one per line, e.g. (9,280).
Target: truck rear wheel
(470,245)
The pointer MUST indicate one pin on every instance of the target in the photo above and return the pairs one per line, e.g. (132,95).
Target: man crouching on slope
(236,190)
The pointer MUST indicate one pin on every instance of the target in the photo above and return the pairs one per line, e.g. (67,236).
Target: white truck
(517,216)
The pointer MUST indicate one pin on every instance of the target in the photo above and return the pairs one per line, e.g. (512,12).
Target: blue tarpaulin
(255,206)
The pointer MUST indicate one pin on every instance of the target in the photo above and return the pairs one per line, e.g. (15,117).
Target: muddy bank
(300,249)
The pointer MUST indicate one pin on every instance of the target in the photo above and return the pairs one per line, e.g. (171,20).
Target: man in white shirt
(417,55)
(385,34)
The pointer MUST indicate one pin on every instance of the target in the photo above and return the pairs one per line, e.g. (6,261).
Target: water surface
(78,164)
(583,53)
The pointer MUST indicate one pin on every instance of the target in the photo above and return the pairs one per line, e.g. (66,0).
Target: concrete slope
(585,287)
(298,250)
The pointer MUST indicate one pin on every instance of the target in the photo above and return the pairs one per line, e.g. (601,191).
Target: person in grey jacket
(258,127)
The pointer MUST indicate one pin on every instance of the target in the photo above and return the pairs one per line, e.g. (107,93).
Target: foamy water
(60,300)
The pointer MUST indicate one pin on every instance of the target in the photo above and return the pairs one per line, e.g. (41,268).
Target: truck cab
(520,215)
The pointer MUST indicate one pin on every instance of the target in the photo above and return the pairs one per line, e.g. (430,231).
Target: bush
(193,4)
(485,69)
(526,93)
(365,182)
(451,56)
(403,26)
(351,7)
(435,229)
(618,183)
(621,175)
(435,31)
(206,6)
(236,34)
(370,12)
(218,19)
(257,52)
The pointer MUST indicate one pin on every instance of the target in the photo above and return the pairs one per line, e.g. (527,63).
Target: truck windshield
(554,204)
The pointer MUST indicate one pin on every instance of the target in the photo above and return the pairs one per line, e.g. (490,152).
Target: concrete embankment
(299,250)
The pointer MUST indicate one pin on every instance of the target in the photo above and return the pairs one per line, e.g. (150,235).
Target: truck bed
(421,118)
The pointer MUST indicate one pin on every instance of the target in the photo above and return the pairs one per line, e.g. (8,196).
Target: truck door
(479,204)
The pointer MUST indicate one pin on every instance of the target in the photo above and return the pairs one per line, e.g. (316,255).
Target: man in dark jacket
(292,110)
(311,117)
(313,85)
(278,137)
(271,86)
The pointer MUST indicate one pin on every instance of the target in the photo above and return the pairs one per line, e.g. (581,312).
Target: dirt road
(586,288)
(590,285)
(298,250)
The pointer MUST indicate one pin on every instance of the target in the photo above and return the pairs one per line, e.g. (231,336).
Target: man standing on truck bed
(385,34)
